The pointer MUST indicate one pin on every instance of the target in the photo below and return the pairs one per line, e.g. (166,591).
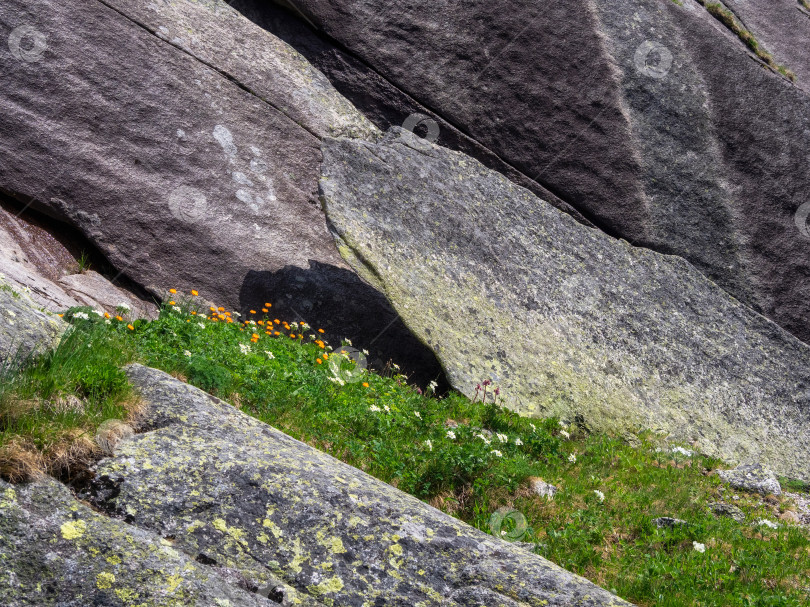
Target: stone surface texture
(57,552)
(565,319)
(25,329)
(729,510)
(649,117)
(238,494)
(184,142)
(754,478)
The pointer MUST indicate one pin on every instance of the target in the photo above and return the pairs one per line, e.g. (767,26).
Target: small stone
(720,509)
(790,517)
(766,523)
(542,488)
(668,522)
(754,478)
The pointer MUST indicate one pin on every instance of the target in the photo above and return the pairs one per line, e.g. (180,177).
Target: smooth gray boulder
(754,478)
(239,494)
(565,319)
(25,329)
(184,142)
(649,117)
(57,552)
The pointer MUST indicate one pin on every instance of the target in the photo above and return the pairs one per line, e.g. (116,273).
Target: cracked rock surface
(25,330)
(241,495)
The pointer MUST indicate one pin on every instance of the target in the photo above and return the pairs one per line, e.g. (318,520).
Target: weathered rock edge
(57,551)
(25,330)
(241,494)
(567,320)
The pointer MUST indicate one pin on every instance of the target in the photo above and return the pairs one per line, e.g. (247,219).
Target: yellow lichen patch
(331,585)
(114,559)
(220,525)
(105,580)
(73,530)
(173,582)
(9,496)
(126,594)
(274,529)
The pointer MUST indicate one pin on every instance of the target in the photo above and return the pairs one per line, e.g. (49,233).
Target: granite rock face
(184,142)
(565,319)
(55,551)
(25,330)
(240,495)
(754,478)
(649,117)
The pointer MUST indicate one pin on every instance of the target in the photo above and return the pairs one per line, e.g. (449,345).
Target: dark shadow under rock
(344,306)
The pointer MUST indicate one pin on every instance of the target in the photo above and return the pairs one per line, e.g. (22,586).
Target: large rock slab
(25,329)
(649,117)
(184,142)
(242,495)
(566,320)
(55,551)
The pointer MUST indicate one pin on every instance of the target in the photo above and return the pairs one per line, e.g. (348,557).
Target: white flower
(699,547)
(766,523)
(186,353)
(245,348)
(305,326)
(572,458)
(562,423)
(107,322)
(269,354)
(497,453)
(396,366)
(599,495)
(365,352)
(564,434)
(534,428)
(176,308)
(123,306)
(518,442)
(417,414)
(429,445)
(81,315)
(337,380)
(432,386)
(683,451)
(387,410)
(201,325)
(374,408)
(97,313)
(503,438)
(347,342)
(483,438)
(451,435)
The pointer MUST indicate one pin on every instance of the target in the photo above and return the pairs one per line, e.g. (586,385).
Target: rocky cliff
(564,319)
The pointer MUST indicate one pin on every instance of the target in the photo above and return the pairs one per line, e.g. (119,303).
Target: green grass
(51,408)
(727,18)
(448,452)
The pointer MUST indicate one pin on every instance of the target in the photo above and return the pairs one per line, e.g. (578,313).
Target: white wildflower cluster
(451,435)
(432,387)
(766,523)
(270,355)
(374,408)
(534,428)
(417,414)
(497,453)
(304,326)
(565,434)
(699,547)
(98,313)
(572,458)
(429,445)
(176,308)
(123,306)
(81,316)
(599,495)
(518,442)
(245,348)
(483,438)
(201,325)
(502,437)
(683,451)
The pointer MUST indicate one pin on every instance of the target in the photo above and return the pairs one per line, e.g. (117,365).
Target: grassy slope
(384,426)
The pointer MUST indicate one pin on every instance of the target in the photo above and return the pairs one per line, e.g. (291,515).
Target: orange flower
(172,291)
(213,309)
(253,311)
(292,335)
(259,322)
(60,315)
(276,333)
(118,318)
(194,292)
(277,321)
(319,361)
(220,309)
(320,331)
(268,332)
(130,327)
(106,314)
(194,314)
(172,303)
(254,336)
(365,384)
(265,310)
(325,355)
(268,305)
